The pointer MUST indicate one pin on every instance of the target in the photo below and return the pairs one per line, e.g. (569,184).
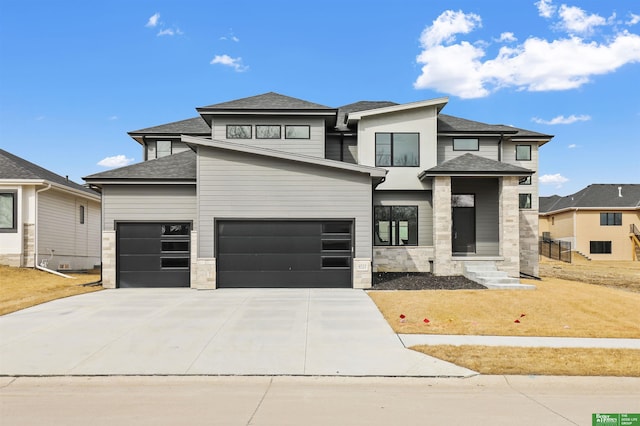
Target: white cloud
(463,69)
(558,180)
(577,21)
(169,32)
(507,37)
(633,19)
(115,161)
(153,21)
(113,118)
(447,25)
(561,119)
(545,8)
(572,146)
(226,60)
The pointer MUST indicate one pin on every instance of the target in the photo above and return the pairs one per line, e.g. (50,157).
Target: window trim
(613,216)
(524,159)
(466,139)
(14,197)
(287,126)
(258,126)
(391,134)
(397,233)
(239,125)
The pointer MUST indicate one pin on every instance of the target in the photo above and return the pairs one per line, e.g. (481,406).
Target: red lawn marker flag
(426,321)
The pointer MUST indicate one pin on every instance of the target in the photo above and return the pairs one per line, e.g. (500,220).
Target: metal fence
(560,250)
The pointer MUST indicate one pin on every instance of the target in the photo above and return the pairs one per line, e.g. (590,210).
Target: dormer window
(163,148)
(397,149)
(297,132)
(268,132)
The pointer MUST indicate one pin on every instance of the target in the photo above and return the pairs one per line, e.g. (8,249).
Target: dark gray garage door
(153,254)
(284,253)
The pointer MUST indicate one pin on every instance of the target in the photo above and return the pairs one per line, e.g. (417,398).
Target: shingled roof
(358,106)
(13,167)
(603,196)
(451,124)
(469,164)
(190,126)
(267,101)
(176,167)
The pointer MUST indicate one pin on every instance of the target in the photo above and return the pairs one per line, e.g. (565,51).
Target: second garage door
(267,253)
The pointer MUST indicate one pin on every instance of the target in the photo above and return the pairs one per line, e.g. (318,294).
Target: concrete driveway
(333,332)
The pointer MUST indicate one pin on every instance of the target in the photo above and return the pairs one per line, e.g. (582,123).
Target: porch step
(487,274)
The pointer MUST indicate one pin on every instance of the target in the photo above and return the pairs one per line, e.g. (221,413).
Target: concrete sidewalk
(282,401)
(551,342)
(336,332)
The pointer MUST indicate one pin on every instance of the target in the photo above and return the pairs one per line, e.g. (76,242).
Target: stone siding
(28,245)
(109,259)
(529,242)
(361,273)
(442,264)
(509,226)
(402,259)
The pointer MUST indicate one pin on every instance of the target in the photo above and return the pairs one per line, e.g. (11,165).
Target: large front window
(396,225)
(8,212)
(397,150)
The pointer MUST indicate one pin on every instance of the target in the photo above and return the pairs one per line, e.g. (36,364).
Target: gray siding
(76,245)
(487,211)
(315,146)
(236,185)
(148,203)
(422,199)
(488,149)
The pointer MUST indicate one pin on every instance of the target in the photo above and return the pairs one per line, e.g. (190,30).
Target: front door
(463,229)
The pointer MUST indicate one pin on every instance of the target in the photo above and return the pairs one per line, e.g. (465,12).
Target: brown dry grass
(617,274)
(23,287)
(556,308)
(540,361)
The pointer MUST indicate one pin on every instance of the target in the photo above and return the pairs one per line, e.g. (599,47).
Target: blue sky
(75,76)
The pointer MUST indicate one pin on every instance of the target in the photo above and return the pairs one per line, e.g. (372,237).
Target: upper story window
(8,211)
(163,148)
(524,201)
(81,214)
(610,219)
(523,152)
(268,132)
(525,180)
(397,149)
(238,131)
(466,144)
(297,132)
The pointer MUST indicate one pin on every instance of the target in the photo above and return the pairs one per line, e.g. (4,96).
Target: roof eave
(354,117)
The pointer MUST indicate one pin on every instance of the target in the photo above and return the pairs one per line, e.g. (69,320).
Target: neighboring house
(273,191)
(46,219)
(602,221)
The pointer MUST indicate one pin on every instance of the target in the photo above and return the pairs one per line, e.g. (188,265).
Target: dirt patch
(617,274)
(421,281)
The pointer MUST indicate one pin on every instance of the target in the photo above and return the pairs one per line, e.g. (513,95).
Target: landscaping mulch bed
(421,281)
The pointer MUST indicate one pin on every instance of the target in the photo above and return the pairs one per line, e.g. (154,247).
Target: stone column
(28,245)
(203,271)
(109,259)
(361,273)
(442,264)
(509,216)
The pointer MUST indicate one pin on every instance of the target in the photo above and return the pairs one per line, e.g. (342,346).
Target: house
(274,191)
(46,219)
(602,221)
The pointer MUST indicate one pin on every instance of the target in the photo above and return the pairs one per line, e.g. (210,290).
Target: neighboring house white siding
(314,146)
(241,186)
(142,203)
(419,120)
(75,245)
